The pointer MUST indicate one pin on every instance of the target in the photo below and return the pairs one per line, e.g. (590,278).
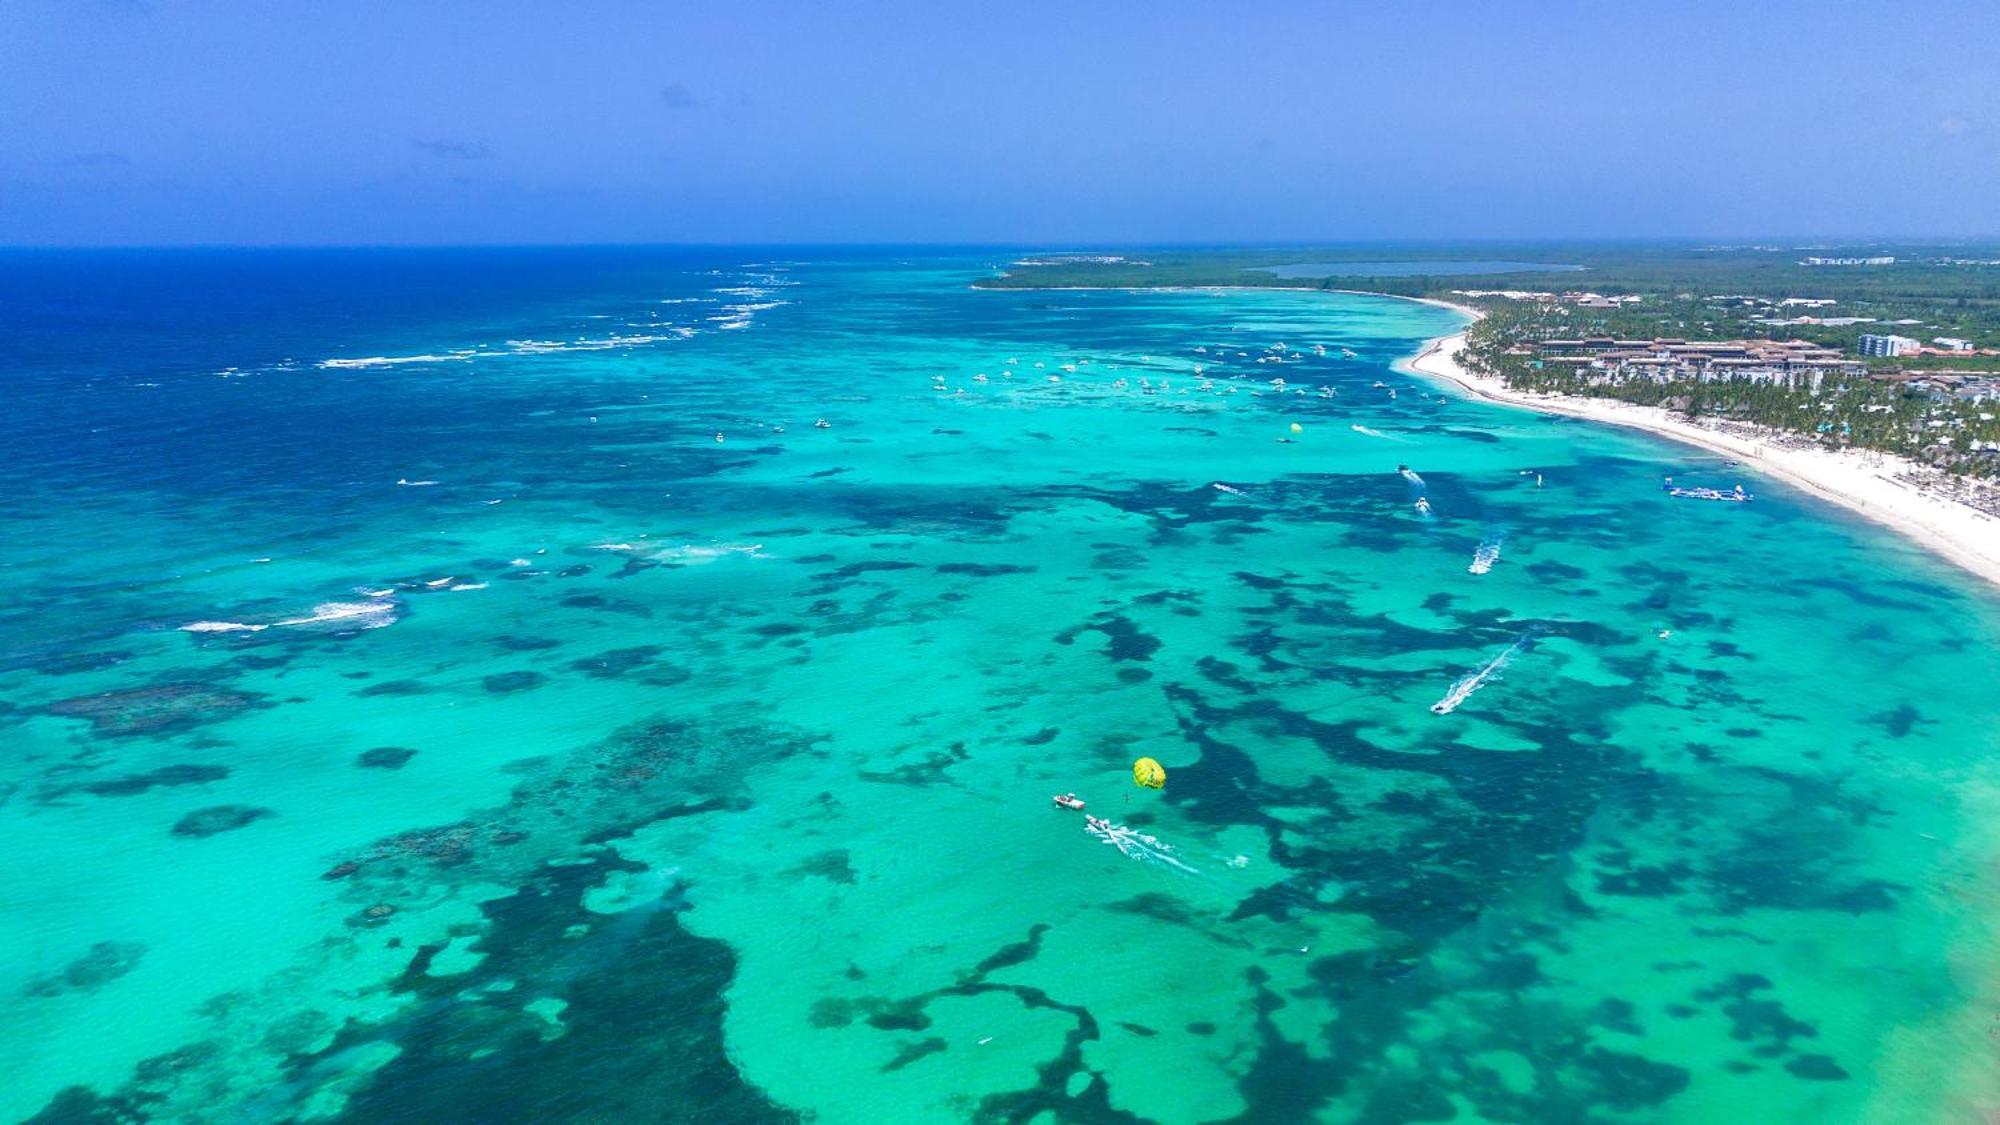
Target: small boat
(1068,801)
(1733,496)
(822,424)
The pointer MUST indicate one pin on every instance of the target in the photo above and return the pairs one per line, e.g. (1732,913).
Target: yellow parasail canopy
(1148,773)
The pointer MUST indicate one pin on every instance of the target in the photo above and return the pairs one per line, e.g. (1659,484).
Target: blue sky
(287,121)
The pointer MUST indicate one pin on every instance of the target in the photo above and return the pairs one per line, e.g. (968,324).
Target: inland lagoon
(630,684)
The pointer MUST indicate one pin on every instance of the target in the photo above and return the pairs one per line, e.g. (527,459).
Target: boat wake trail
(1361,429)
(1487,554)
(1138,845)
(1466,685)
(1417,488)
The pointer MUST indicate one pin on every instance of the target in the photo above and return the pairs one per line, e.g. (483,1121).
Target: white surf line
(370,615)
(376,613)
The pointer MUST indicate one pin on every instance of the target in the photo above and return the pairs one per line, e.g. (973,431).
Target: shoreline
(1862,482)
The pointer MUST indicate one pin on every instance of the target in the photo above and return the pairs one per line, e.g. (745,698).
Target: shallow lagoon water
(684,778)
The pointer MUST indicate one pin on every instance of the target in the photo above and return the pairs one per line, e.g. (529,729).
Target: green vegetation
(1868,412)
(1687,291)
(1921,285)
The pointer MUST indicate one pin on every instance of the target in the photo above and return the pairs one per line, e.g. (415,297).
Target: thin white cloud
(454,150)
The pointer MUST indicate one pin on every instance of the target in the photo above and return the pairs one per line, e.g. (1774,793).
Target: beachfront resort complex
(1603,360)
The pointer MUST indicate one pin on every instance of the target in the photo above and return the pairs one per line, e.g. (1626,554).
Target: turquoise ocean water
(414,712)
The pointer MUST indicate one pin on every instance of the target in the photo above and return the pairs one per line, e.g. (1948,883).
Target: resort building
(1788,363)
(1578,298)
(1508,294)
(1969,387)
(1872,344)
(1822,321)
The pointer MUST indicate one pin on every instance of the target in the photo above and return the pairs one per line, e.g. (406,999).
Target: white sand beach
(1887,489)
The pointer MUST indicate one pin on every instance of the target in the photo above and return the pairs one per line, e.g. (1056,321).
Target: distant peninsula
(1868,374)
